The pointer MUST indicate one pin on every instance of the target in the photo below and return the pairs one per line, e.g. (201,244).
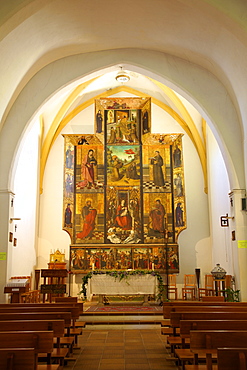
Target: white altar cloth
(132,285)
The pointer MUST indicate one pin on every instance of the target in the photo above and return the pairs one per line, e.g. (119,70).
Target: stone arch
(196,84)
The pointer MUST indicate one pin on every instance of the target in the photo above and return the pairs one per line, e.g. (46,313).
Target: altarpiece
(124,196)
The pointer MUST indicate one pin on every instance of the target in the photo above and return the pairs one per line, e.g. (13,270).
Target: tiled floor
(116,348)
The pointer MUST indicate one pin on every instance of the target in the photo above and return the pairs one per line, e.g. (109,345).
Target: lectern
(56,283)
(16,287)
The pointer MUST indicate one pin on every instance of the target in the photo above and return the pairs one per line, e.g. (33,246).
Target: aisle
(116,348)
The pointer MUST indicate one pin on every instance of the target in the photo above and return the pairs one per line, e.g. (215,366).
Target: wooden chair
(173,286)
(208,289)
(189,288)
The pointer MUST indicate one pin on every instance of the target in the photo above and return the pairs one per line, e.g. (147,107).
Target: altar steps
(127,319)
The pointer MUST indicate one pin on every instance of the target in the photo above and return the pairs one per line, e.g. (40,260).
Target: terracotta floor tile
(122,349)
(137,367)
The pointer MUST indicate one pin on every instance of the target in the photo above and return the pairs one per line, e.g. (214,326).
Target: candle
(93,266)
(152,266)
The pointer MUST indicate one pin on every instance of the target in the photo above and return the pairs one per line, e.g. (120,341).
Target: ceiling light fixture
(122,76)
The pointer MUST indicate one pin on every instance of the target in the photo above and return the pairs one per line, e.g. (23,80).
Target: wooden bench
(17,358)
(56,326)
(41,341)
(58,353)
(232,358)
(206,342)
(176,317)
(73,307)
(58,304)
(182,354)
(167,306)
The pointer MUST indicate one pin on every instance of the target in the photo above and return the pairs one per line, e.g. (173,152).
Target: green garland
(123,274)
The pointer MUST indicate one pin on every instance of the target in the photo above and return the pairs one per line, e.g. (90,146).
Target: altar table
(132,285)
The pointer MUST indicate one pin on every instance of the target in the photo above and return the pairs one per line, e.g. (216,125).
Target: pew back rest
(167,306)
(187,325)
(213,339)
(57,326)
(46,305)
(41,341)
(232,358)
(75,312)
(17,358)
(176,317)
(66,316)
(210,309)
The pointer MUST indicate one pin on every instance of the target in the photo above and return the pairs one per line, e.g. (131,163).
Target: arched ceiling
(187,45)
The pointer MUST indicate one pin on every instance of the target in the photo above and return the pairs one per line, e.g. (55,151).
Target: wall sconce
(14,219)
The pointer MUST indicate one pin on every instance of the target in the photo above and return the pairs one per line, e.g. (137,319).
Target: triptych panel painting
(124,199)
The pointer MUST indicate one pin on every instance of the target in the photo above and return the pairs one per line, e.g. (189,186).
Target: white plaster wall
(219,189)
(23,259)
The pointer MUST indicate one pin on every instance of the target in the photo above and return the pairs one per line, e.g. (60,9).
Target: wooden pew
(167,306)
(75,312)
(206,342)
(187,325)
(56,326)
(41,341)
(176,317)
(232,358)
(48,304)
(210,309)
(17,358)
(51,321)
(73,307)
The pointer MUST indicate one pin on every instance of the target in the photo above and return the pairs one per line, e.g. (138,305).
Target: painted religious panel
(90,166)
(68,186)
(156,166)
(89,215)
(178,186)
(124,193)
(141,259)
(124,118)
(123,215)
(84,259)
(123,165)
(157,217)
(122,126)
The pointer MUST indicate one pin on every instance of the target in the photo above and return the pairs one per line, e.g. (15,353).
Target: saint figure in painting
(123,218)
(145,122)
(179,215)
(68,216)
(177,157)
(116,165)
(157,216)
(87,169)
(69,157)
(88,215)
(158,176)
(99,121)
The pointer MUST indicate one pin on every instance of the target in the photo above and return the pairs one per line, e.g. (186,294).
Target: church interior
(122,143)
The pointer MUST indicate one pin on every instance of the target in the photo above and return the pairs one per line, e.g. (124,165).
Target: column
(239,246)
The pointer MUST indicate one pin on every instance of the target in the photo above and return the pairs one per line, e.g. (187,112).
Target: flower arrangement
(123,274)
